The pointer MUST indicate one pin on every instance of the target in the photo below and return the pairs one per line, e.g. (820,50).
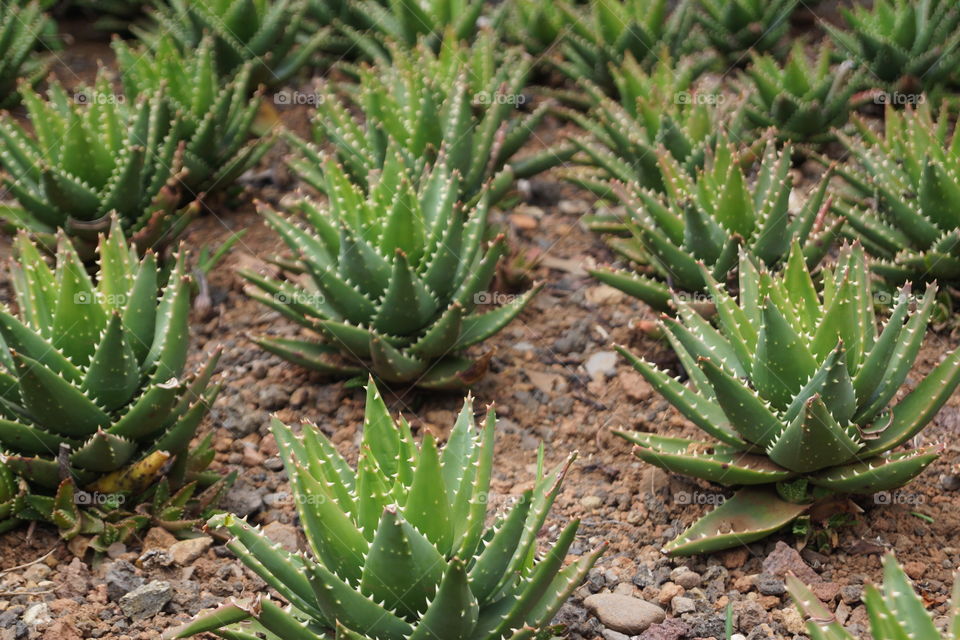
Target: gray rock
(686,578)
(186,551)
(243,500)
(750,614)
(851,593)
(146,601)
(610,634)
(11,616)
(36,615)
(273,397)
(672,629)
(624,613)
(682,604)
(770,585)
(121,578)
(784,559)
(283,534)
(950,482)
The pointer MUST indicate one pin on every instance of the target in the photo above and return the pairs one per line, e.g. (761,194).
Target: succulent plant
(392,279)
(794,384)
(459,103)
(704,219)
(399,547)
(895,612)
(369,26)
(92,155)
(906,46)
(12,493)
(23,27)
(601,34)
(268,34)
(804,100)
(660,109)
(906,195)
(735,27)
(217,113)
(536,26)
(94,399)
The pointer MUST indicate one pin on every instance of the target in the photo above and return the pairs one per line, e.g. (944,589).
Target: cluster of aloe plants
(94,396)
(22,30)
(400,545)
(795,385)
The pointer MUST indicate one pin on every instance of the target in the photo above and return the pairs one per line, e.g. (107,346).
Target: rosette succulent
(12,493)
(268,34)
(894,611)
(604,32)
(663,110)
(905,195)
(705,219)
(23,27)
(88,156)
(217,112)
(461,103)
(93,396)
(795,386)
(906,46)
(804,100)
(735,27)
(391,279)
(399,547)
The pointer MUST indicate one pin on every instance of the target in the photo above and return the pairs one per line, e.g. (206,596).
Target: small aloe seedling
(399,546)
(905,204)
(657,111)
(13,490)
(392,280)
(794,385)
(604,32)
(735,27)
(804,100)
(268,34)
(217,112)
(894,610)
(88,157)
(461,103)
(906,46)
(22,29)
(94,400)
(705,219)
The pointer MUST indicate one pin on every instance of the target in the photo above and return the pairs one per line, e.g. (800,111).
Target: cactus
(804,100)
(662,109)
(23,28)
(459,103)
(735,27)
(905,195)
(399,546)
(217,112)
(268,34)
(94,399)
(91,156)
(703,219)
(906,46)
(392,278)
(895,612)
(794,384)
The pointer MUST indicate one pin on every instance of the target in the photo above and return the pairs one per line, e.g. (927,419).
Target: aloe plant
(268,34)
(895,611)
(905,194)
(12,493)
(906,46)
(91,155)
(663,110)
(805,99)
(794,385)
(536,26)
(603,33)
(399,545)
(217,111)
(392,277)
(23,27)
(94,400)
(735,27)
(706,218)
(459,104)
